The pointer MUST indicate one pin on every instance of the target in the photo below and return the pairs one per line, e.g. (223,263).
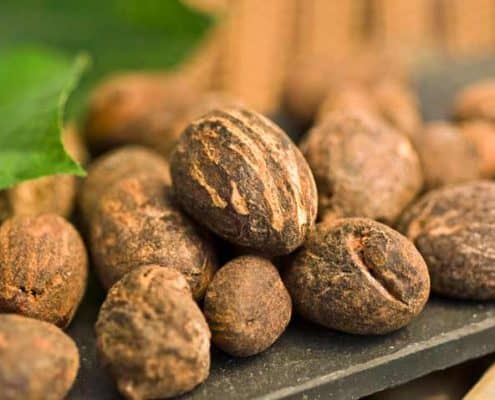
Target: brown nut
(247,306)
(137,223)
(37,360)
(447,155)
(452,227)
(482,134)
(358,276)
(152,335)
(242,177)
(362,167)
(43,268)
(115,166)
(476,101)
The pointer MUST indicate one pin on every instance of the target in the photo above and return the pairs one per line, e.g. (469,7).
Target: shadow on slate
(314,363)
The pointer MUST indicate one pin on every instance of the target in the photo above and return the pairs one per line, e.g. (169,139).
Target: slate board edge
(427,356)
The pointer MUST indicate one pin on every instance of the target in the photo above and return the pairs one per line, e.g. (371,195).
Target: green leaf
(34,88)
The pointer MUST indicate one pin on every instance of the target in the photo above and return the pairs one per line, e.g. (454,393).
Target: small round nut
(476,101)
(114,166)
(453,228)
(241,176)
(447,155)
(43,268)
(362,167)
(358,276)
(152,335)
(37,360)
(247,306)
(482,134)
(136,223)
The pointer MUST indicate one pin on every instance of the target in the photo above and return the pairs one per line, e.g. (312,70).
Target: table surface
(315,363)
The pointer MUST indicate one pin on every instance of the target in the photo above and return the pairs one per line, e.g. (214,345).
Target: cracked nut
(37,360)
(43,268)
(247,306)
(136,223)
(453,228)
(241,176)
(152,335)
(358,276)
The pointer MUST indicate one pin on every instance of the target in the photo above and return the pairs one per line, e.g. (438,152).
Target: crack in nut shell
(152,335)
(247,306)
(43,268)
(37,360)
(358,276)
(241,176)
(454,229)
(362,167)
(136,223)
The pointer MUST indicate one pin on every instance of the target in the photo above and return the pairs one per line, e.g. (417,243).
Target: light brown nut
(114,166)
(358,276)
(482,134)
(476,101)
(137,223)
(453,228)
(152,335)
(247,306)
(447,155)
(37,360)
(241,176)
(43,268)
(362,167)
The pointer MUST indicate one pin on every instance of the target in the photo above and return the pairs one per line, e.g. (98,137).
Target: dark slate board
(314,363)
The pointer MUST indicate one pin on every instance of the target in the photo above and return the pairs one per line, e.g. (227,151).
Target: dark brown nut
(50,194)
(482,134)
(362,167)
(137,223)
(447,155)
(358,276)
(452,227)
(114,166)
(37,360)
(241,176)
(476,101)
(247,306)
(152,335)
(43,268)
(136,108)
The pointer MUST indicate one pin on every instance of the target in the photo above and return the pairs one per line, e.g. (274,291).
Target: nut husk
(358,276)
(152,336)
(241,176)
(37,360)
(247,306)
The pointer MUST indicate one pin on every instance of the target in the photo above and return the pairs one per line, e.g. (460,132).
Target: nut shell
(362,167)
(476,101)
(358,276)
(247,306)
(242,177)
(152,335)
(138,223)
(482,134)
(454,229)
(43,268)
(37,360)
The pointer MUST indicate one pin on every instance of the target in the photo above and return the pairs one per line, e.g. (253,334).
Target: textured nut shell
(247,306)
(241,176)
(362,167)
(152,335)
(447,155)
(37,360)
(358,276)
(482,134)
(454,229)
(476,101)
(137,223)
(114,166)
(43,268)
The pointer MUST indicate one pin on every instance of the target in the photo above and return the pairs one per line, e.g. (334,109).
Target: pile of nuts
(348,230)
